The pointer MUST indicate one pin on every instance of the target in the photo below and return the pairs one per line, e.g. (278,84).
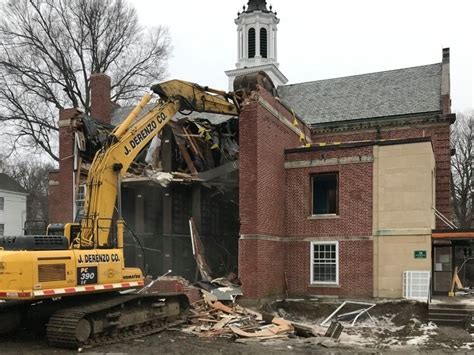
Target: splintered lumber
(282,326)
(213,318)
(308,331)
(303,330)
(244,334)
(222,323)
(184,152)
(198,252)
(254,340)
(218,305)
(193,145)
(279,326)
(208,320)
(456,282)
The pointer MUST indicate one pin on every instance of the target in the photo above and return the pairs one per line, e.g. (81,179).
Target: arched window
(252,43)
(263,43)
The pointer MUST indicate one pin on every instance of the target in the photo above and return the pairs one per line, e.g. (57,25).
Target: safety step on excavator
(76,282)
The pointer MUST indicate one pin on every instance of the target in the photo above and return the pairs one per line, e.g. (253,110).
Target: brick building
(344,216)
(350,214)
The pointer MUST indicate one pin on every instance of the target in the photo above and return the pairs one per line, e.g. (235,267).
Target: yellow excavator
(78,281)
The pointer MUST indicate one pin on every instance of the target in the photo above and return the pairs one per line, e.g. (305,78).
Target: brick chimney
(446,83)
(101,107)
(61,186)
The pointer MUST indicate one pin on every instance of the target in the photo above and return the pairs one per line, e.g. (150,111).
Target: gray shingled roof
(9,184)
(388,93)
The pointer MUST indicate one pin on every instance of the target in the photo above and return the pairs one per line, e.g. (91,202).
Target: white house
(12,206)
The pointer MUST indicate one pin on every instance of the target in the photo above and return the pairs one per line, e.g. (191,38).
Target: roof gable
(9,184)
(381,94)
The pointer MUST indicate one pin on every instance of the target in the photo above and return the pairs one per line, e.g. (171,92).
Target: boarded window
(325,262)
(252,43)
(263,43)
(325,193)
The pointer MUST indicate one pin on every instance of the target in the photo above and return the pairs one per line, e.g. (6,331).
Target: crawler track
(115,319)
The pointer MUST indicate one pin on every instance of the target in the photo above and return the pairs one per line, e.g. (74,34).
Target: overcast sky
(323,39)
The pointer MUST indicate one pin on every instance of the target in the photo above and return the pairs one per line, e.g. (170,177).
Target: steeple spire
(257,28)
(256,5)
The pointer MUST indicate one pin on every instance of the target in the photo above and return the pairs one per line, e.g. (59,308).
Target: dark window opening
(252,43)
(325,194)
(263,42)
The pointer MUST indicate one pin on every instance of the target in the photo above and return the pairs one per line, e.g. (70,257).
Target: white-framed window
(2,229)
(80,198)
(325,263)
(2,203)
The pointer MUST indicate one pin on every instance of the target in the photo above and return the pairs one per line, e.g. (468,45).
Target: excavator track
(115,319)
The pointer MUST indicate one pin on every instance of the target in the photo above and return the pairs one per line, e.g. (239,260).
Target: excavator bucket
(245,84)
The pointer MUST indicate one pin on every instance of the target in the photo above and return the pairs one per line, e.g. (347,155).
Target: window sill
(324,216)
(324,285)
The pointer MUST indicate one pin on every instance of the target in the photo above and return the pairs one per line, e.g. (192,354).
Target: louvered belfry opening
(263,43)
(252,43)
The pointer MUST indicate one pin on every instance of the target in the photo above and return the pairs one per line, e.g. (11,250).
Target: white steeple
(257,43)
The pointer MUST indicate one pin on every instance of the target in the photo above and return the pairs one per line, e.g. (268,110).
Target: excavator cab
(34,227)
(69,230)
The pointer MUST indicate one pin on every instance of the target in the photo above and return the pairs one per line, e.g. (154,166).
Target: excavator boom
(127,141)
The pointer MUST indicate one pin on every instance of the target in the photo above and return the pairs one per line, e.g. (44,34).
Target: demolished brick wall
(176,284)
(263,140)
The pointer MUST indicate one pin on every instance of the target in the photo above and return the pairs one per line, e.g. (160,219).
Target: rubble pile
(211,318)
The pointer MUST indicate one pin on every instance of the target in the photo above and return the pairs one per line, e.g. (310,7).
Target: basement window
(325,263)
(325,194)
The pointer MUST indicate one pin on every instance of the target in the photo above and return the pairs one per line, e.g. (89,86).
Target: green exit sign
(420,254)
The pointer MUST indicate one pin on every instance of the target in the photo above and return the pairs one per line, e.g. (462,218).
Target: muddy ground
(397,327)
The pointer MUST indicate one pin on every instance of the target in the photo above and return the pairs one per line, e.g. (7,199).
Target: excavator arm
(126,142)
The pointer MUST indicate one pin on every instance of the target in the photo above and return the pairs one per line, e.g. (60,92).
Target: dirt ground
(397,327)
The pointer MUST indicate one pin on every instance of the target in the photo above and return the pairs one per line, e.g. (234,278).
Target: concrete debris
(227,293)
(161,177)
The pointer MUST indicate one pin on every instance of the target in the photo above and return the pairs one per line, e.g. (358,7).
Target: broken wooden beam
(222,170)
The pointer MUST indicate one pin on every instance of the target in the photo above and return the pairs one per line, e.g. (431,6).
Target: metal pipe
(120,221)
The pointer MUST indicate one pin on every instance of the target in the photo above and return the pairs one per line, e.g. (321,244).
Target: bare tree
(34,178)
(462,192)
(49,49)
